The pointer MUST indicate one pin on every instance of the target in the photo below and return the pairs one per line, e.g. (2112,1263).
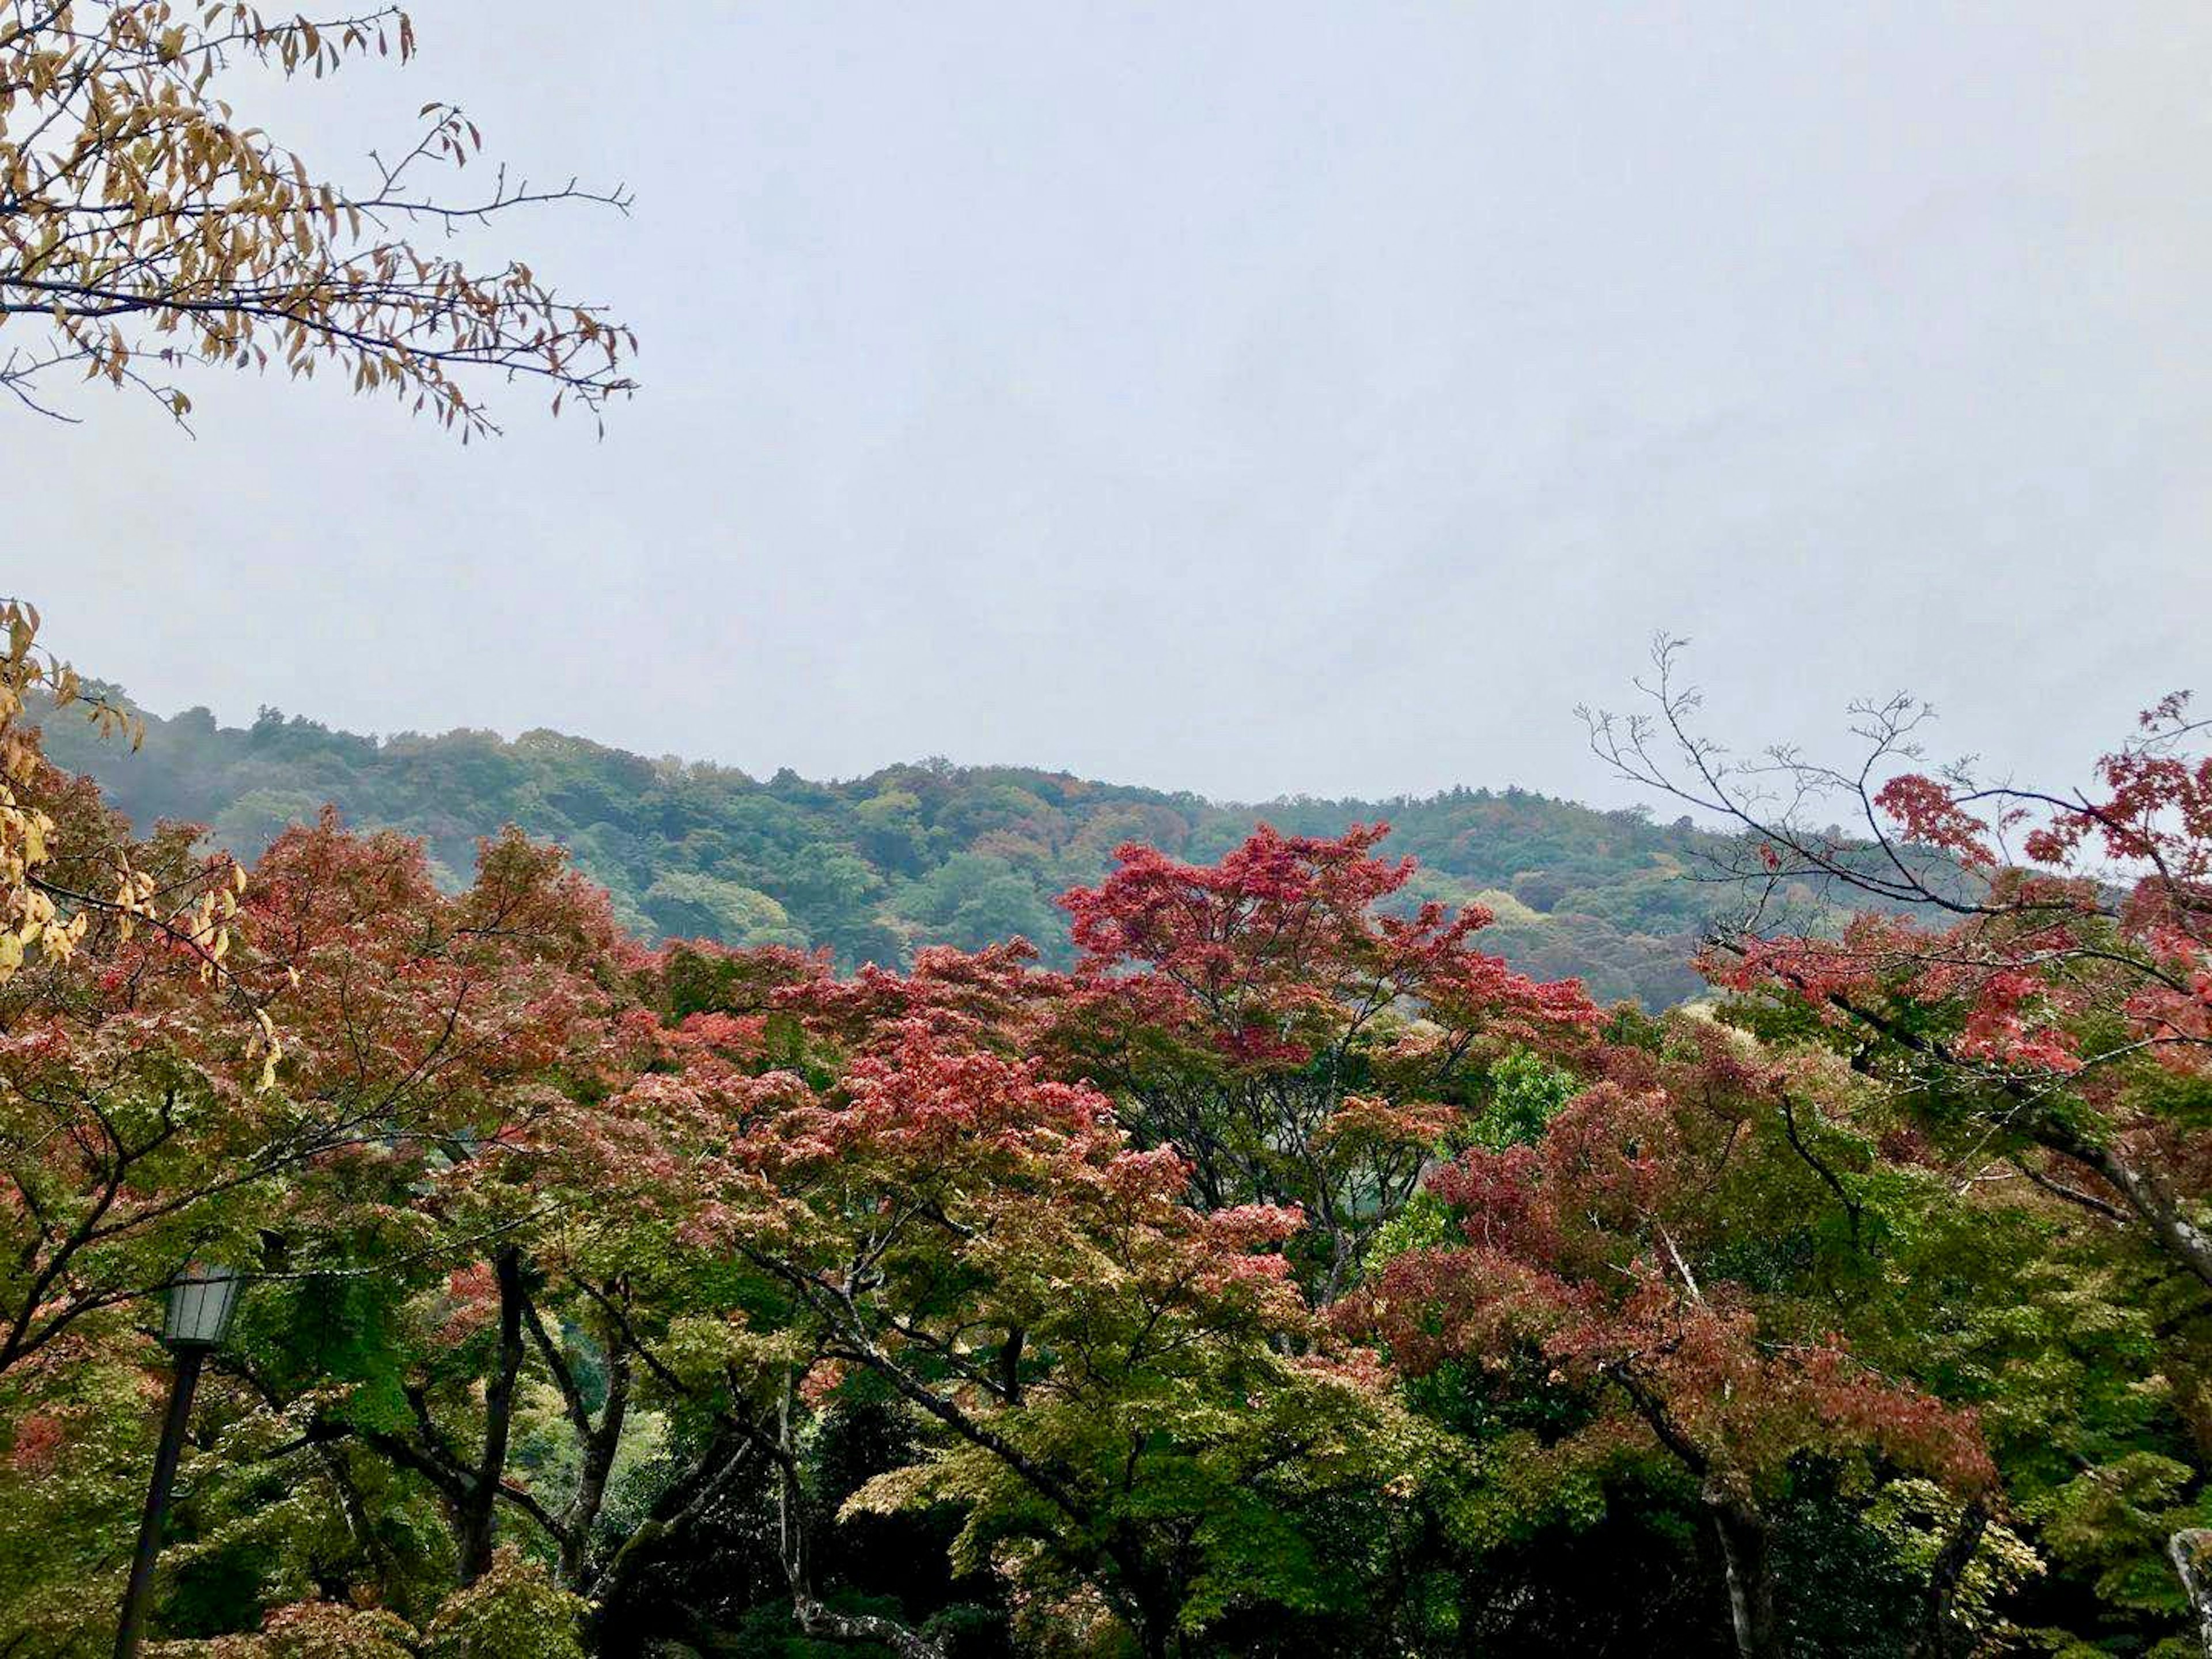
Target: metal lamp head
(200,1303)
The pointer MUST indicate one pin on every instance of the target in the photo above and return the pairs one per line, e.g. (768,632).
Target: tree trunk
(626,1614)
(1144,1601)
(480,1506)
(1939,1637)
(2191,1552)
(621,1629)
(792,1522)
(1744,1548)
(824,1625)
(598,1451)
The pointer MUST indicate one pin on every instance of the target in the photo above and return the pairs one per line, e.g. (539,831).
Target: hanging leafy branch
(145,226)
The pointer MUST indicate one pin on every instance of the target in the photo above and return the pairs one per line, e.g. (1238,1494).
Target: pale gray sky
(1246,397)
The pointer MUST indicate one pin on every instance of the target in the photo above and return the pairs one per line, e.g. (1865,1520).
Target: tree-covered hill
(912,854)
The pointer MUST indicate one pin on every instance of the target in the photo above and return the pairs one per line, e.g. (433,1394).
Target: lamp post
(200,1303)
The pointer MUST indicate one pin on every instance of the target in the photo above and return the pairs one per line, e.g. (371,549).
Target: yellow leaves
(141,208)
(25,912)
(272,1050)
(29,920)
(909,1488)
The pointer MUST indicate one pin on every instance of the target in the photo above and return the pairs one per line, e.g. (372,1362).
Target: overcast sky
(1253,398)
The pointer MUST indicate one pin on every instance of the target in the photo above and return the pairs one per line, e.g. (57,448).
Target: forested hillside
(914,854)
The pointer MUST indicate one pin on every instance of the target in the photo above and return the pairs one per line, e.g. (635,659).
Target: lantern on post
(199,1314)
(198,1317)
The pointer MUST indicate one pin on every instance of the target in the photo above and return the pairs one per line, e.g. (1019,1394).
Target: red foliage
(412,1015)
(37,1444)
(1272,948)
(1294,1039)
(992,999)
(1579,1256)
(2057,952)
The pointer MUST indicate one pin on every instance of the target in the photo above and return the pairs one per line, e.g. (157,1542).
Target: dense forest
(927,853)
(1274,1270)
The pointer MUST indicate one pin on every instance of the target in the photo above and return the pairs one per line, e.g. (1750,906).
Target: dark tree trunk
(599,1448)
(625,1615)
(620,1629)
(1143,1598)
(1745,1549)
(1939,1635)
(793,1523)
(478,1520)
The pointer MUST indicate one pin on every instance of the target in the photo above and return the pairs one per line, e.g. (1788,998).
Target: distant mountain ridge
(911,855)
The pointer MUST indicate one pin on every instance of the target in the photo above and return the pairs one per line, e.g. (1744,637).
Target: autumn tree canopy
(2034,968)
(1284,1274)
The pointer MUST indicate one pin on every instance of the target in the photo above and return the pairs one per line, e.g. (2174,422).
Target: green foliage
(691,903)
(2113,1521)
(73,1449)
(311,1630)
(973,899)
(1423,1223)
(1526,1093)
(514,1612)
(914,854)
